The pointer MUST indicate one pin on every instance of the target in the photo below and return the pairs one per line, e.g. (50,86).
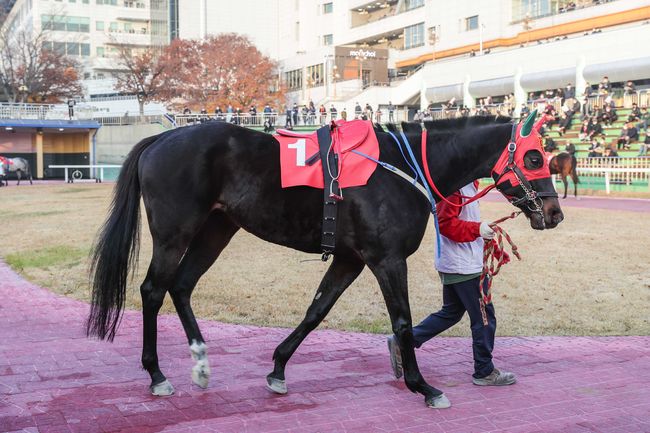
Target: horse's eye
(533,159)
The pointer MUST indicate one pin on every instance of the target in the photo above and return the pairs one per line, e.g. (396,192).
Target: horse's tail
(574,166)
(116,249)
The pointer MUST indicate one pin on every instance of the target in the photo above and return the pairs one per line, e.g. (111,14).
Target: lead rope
(493,258)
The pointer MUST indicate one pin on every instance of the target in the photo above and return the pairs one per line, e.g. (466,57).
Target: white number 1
(300,151)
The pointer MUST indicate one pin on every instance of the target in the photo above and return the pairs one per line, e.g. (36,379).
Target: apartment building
(92,31)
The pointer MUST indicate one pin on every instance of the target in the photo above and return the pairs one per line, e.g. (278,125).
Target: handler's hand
(486,231)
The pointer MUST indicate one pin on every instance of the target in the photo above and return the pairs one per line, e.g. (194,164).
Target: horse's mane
(463,122)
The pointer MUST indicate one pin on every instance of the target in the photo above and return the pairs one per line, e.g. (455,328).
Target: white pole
(607,182)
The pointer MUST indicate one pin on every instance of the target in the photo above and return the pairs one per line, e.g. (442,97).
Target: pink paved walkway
(52,379)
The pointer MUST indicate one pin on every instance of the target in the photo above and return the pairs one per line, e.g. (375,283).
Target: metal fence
(623,171)
(640,97)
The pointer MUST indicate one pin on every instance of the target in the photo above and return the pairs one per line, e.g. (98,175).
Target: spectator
(218,113)
(585,129)
(304,113)
(344,114)
(187,110)
(596,149)
(549,144)
(569,92)
(629,88)
(645,120)
(368,112)
(357,111)
(312,113)
(635,113)
(229,112)
(643,148)
(525,111)
(333,113)
(378,115)
(71,104)
(268,118)
(391,112)
(323,114)
(605,85)
(288,112)
(629,134)
(610,152)
(570,148)
(294,114)
(609,116)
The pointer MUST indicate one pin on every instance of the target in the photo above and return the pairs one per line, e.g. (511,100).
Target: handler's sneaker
(496,378)
(395,356)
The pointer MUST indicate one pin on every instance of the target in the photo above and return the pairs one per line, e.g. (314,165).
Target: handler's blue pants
(458,298)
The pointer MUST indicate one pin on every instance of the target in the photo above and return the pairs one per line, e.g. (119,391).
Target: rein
(430,181)
(494,256)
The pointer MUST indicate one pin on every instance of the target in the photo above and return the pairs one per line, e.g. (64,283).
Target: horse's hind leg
(18,175)
(159,279)
(206,246)
(338,277)
(392,277)
(566,184)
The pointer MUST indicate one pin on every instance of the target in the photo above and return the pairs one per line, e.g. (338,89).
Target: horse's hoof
(162,389)
(276,385)
(438,402)
(201,374)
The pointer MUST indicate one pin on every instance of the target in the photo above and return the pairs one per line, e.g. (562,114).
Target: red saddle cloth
(296,151)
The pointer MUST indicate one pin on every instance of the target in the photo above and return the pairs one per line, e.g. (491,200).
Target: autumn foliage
(31,73)
(220,70)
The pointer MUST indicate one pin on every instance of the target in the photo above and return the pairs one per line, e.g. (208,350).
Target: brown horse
(564,164)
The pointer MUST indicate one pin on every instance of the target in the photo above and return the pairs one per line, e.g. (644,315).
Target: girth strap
(331,190)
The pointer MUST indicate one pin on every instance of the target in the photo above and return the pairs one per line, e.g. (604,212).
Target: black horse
(201,184)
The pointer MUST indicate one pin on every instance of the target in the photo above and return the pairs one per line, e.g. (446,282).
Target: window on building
(72,48)
(315,75)
(112,27)
(85,49)
(414,36)
(99,26)
(412,4)
(65,24)
(471,23)
(328,39)
(100,52)
(107,2)
(293,79)
(328,8)
(72,1)
(128,28)
(84,2)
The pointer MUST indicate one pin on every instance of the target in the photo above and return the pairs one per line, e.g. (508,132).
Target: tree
(30,71)
(142,75)
(221,70)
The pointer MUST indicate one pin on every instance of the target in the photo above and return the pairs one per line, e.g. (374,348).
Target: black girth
(331,190)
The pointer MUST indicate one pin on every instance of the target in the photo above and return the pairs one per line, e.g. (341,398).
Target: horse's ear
(527,127)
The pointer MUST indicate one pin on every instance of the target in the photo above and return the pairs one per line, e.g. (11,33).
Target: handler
(460,264)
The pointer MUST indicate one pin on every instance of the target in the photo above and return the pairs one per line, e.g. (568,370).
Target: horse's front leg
(339,276)
(18,176)
(391,274)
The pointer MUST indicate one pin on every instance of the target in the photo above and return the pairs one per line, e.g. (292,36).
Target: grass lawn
(590,276)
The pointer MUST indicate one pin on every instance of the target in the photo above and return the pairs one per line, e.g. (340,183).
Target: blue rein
(418,174)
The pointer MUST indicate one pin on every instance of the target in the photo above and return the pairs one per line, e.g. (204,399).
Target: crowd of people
(595,118)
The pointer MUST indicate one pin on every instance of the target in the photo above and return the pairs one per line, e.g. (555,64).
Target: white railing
(640,97)
(619,170)
(78,175)
(9,110)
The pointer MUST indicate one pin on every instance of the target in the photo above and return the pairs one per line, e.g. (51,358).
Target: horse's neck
(469,156)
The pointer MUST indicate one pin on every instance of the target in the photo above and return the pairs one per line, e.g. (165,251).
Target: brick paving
(53,379)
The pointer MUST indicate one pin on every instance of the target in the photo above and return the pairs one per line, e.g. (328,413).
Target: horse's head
(522,175)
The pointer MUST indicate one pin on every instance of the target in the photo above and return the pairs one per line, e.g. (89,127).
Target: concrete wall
(113,143)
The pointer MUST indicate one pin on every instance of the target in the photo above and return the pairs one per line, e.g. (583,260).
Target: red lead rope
(494,256)
(427,174)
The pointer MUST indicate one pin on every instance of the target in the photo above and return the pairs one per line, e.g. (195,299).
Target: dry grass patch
(587,277)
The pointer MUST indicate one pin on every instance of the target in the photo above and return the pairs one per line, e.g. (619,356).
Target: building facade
(422,52)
